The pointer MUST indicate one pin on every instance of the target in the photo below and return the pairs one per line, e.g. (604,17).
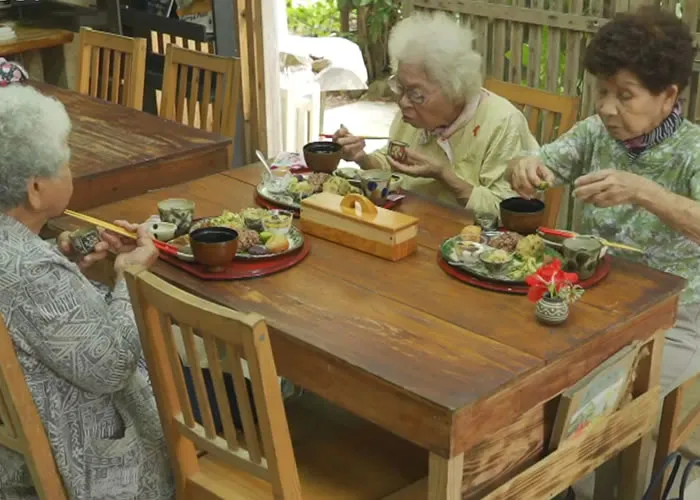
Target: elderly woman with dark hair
(635,165)
(78,344)
(460,136)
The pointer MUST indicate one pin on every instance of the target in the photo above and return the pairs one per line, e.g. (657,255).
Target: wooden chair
(674,432)
(544,126)
(188,80)
(112,67)
(21,428)
(257,462)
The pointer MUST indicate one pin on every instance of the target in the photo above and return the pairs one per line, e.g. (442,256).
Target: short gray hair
(34,132)
(443,48)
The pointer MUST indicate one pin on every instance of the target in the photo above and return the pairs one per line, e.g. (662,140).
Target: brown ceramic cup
(214,247)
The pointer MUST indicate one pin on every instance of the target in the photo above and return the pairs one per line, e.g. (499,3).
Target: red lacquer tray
(272,206)
(600,274)
(243,269)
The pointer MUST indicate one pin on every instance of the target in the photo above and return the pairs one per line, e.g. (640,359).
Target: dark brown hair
(651,43)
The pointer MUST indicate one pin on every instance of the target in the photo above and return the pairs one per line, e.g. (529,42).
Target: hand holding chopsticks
(164,247)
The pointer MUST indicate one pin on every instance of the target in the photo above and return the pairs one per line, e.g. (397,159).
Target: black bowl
(322,156)
(214,247)
(521,215)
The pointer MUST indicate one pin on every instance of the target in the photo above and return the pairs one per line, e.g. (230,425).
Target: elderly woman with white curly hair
(78,345)
(460,136)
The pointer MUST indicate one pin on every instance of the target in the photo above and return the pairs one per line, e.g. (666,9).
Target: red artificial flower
(549,279)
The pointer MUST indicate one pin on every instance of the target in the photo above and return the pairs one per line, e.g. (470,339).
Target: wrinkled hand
(83,261)
(608,188)
(417,165)
(353,147)
(528,175)
(141,253)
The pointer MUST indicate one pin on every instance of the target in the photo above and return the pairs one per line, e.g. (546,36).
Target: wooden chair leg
(670,415)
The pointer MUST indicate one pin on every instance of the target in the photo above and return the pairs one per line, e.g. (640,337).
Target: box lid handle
(367,208)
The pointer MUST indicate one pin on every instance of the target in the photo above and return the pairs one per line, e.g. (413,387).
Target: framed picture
(595,396)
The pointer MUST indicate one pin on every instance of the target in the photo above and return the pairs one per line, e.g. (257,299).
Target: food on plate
(316,180)
(278,243)
(264,236)
(340,186)
(496,256)
(506,241)
(300,189)
(226,219)
(471,233)
(247,238)
(252,218)
(258,250)
(469,251)
(530,246)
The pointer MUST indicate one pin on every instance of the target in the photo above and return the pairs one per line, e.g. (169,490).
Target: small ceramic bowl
(214,247)
(322,156)
(163,231)
(277,222)
(84,240)
(495,267)
(177,211)
(470,251)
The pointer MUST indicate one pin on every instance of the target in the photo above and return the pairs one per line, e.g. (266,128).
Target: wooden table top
(109,142)
(435,349)
(32,38)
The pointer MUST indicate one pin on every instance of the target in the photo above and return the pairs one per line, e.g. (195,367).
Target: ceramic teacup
(375,185)
(177,211)
(84,240)
(162,231)
(397,150)
(581,255)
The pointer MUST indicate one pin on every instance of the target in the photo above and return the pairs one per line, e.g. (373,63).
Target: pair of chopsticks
(368,137)
(160,245)
(607,243)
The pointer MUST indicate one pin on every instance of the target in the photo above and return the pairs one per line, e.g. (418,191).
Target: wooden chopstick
(368,137)
(161,245)
(100,223)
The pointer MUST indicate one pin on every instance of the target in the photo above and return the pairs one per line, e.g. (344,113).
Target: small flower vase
(552,310)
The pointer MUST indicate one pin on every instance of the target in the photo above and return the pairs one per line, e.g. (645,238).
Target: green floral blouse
(673,163)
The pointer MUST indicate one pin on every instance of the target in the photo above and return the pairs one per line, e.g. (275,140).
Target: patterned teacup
(581,255)
(375,185)
(397,150)
(177,211)
(84,240)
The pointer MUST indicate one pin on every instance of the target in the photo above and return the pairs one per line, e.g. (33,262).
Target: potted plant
(553,290)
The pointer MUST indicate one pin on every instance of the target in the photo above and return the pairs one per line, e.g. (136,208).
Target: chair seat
(339,457)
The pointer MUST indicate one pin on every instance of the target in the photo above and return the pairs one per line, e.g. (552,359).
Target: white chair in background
(301,112)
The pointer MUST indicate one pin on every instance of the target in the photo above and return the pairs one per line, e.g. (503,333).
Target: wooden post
(270,53)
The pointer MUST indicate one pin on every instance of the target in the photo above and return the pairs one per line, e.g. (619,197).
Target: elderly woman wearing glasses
(460,137)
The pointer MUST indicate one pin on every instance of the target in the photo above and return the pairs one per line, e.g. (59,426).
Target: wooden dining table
(119,152)
(467,374)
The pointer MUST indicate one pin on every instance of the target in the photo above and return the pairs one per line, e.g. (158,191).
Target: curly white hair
(444,48)
(34,132)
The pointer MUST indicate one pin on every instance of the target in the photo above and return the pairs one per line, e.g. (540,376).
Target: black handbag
(675,460)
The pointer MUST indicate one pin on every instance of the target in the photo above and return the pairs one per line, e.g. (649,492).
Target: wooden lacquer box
(354,221)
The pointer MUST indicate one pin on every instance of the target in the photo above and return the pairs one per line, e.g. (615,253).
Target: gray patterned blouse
(81,354)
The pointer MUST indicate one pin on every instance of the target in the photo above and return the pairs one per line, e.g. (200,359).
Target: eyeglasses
(413,95)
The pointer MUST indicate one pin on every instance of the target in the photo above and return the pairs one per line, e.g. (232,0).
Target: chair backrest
(228,337)
(548,115)
(21,428)
(188,80)
(112,67)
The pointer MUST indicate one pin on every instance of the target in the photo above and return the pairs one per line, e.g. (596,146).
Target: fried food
(471,233)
